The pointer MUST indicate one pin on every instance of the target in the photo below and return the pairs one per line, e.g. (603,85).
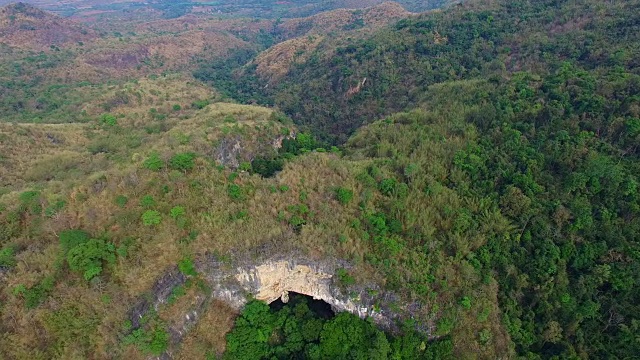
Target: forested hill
(471,174)
(535,107)
(480,39)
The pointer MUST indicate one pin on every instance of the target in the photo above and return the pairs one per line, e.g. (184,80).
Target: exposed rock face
(232,150)
(234,284)
(274,279)
(228,153)
(161,292)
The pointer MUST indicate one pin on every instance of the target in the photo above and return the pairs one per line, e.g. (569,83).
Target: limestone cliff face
(273,279)
(235,283)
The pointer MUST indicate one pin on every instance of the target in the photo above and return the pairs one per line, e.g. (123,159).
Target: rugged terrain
(467,178)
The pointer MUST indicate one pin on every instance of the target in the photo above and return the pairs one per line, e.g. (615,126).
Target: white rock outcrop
(273,280)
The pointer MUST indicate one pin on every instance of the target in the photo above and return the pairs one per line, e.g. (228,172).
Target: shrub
(297,221)
(147,201)
(176,293)
(281,118)
(299,217)
(30,200)
(176,107)
(177,211)
(344,196)
(182,162)
(123,249)
(87,258)
(235,192)
(102,146)
(151,218)
(54,208)
(186,267)
(29,196)
(153,162)
(388,186)
(444,325)
(465,302)
(36,295)
(240,215)
(411,170)
(244,166)
(302,143)
(154,341)
(109,120)
(344,277)
(72,238)
(121,201)
(200,104)
(266,167)
(7,257)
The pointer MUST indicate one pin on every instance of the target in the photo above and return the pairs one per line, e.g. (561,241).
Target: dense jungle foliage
(297,331)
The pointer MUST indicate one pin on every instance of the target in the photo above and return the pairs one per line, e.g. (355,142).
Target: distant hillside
(343,20)
(47,61)
(25,26)
(140,10)
(306,34)
(341,83)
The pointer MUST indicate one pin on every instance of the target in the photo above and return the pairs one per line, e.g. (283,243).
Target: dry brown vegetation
(90,204)
(27,27)
(190,22)
(336,20)
(164,45)
(97,170)
(112,59)
(275,62)
(265,205)
(135,98)
(209,335)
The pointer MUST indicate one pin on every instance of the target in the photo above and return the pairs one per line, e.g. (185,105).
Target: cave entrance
(318,307)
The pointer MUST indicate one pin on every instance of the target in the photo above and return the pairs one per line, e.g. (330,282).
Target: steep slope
(548,95)
(24,26)
(306,34)
(464,42)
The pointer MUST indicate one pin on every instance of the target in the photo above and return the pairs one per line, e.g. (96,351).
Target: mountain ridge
(26,26)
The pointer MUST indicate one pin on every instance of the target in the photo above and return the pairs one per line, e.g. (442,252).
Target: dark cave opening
(319,307)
